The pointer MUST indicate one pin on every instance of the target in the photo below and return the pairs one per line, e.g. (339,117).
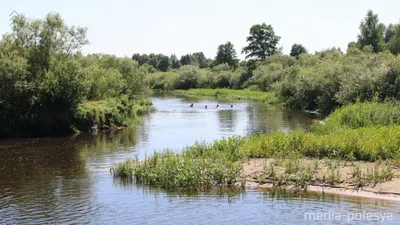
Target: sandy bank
(255,173)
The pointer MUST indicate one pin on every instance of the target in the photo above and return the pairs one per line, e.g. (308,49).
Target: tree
(163,63)
(141,59)
(226,53)
(200,58)
(186,60)
(175,63)
(262,42)
(390,32)
(371,32)
(394,44)
(39,67)
(297,50)
(195,59)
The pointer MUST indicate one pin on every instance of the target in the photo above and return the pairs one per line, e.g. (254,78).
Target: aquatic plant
(197,167)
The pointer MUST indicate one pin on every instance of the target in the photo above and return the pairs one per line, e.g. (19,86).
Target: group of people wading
(191,105)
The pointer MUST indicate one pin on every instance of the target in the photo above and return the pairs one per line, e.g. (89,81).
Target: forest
(50,87)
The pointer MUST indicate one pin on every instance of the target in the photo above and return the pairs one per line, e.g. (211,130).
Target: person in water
(217,106)
(205,107)
(191,105)
(231,106)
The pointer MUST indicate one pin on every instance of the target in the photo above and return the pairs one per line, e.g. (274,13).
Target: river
(67,180)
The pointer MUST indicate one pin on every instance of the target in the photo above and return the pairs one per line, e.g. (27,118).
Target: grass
(198,167)
(365,144)
(361,114)
(201,166)
(111,113)
(380,173)
(231,94)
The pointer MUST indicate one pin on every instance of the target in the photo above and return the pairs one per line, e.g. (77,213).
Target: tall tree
(394,44)
(390,32)
(297,49)
(175,63)
(163,62)
(371,32)
(38,65)
(201,59)
(262,42)
(226,53)
(186,60)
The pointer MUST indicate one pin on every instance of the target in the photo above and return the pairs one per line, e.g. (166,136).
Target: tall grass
(231,94)
(367,144)
(111,112)
(361,114)
(197,167)
(370,134)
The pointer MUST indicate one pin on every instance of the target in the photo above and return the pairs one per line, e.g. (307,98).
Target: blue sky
(124,27)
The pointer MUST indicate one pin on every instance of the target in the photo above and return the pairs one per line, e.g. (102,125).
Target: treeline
(49,87)
(321,81)
(46,82)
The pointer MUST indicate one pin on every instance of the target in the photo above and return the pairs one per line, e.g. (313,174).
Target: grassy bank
(361,114)
(372,138)
(231,94)
(110,113)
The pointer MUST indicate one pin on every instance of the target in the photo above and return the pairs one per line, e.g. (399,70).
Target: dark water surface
(67,180)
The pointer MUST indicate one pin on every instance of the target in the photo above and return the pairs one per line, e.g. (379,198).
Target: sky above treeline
(124,27)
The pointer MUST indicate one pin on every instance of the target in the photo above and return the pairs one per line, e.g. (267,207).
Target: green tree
(200,58)
(394,44)
(390,32)
(297,50)
(187,77)
(262,42)
(371,32)
(163,63)
(39,65)
(175,63)
(226,53)
(186,60)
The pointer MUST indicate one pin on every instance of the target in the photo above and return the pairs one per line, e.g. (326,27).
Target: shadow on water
(68,180)
(48,180)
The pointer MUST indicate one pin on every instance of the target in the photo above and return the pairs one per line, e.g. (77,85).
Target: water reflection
(68,180)
(227,120)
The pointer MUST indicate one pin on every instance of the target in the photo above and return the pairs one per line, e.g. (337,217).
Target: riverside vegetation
(365,131)
(49,87)
(53,89)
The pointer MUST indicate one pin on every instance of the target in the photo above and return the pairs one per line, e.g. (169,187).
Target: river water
(67,180)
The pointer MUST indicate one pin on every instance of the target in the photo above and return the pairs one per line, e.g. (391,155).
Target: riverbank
(110,113)
(356,149)
(231,94)
(359,179)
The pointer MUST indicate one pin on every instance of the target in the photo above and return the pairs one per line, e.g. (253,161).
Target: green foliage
(159,62)
(393,40)
(390,32)
(297,50)
(187,77)
(262,42)
(164,81)
(361,114)
(372,32)
(195,168)
(41,76)
(226,53)
(195,59)
(110,113)
(368,144)
(48,79)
